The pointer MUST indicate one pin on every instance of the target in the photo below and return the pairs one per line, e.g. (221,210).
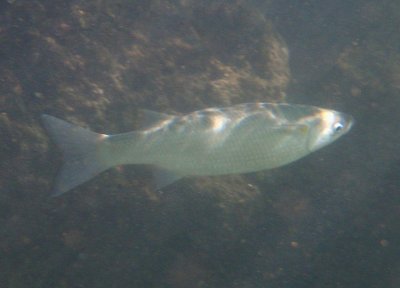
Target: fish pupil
(338,126)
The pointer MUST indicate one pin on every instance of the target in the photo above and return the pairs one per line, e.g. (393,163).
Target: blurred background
(328,220)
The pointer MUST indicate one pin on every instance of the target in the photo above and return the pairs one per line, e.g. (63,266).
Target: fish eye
(337,127)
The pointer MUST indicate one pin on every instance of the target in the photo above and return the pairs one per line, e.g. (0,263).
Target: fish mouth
(348,121)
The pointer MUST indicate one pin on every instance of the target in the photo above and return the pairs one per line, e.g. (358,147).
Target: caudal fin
(80,150)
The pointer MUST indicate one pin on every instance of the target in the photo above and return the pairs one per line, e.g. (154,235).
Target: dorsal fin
(151,118)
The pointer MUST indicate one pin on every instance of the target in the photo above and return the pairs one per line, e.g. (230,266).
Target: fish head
(327,126)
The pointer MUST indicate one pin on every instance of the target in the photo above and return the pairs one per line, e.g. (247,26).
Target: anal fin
(163,177)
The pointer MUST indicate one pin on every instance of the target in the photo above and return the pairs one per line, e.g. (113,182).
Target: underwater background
(331,219)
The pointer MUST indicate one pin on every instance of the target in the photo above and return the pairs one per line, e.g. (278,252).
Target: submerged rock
(96,63)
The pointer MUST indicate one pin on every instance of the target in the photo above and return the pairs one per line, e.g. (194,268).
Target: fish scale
(215,141)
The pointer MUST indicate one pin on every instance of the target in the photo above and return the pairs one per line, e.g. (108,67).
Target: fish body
(215,141)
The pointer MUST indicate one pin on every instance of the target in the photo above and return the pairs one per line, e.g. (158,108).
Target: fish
(238,139)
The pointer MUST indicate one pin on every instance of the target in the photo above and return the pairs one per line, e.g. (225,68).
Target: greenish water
(329,220)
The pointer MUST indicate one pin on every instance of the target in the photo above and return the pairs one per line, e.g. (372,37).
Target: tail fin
(80,149)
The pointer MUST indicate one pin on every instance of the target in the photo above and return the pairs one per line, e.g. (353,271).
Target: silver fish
(215,141)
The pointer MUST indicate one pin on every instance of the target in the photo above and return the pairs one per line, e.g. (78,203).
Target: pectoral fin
(298,129)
